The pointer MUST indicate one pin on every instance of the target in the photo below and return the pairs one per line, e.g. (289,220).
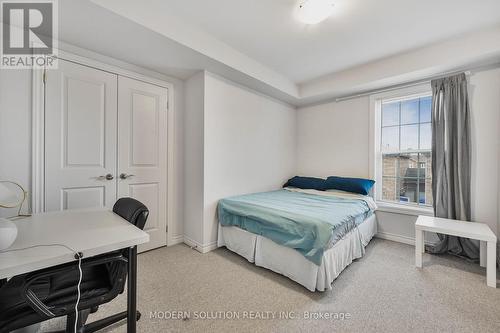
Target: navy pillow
(306,183)
(354,185)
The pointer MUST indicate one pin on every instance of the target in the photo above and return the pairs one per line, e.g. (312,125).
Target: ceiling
(258,43)
(359,31)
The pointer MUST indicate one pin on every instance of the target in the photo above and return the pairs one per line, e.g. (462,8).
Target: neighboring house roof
(415,172)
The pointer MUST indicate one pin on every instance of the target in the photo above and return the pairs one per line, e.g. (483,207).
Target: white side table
(474,230)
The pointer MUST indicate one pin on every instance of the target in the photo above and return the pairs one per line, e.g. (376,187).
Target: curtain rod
(401,86)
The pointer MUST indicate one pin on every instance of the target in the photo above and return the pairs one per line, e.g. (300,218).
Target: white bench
(474,230)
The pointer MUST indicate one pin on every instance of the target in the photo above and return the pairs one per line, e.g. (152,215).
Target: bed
(309,236)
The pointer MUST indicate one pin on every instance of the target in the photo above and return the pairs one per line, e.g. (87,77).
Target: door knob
(125,176)
(107,177)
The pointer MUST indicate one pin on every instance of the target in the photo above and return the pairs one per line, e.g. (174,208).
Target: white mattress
(286,261)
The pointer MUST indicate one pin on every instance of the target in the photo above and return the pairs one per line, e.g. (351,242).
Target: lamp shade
(315,11)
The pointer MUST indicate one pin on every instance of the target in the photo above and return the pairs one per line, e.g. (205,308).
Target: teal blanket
(308,223)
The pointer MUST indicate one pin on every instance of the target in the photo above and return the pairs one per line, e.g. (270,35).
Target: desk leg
(132,290)
(491,267)
(423,241)
(482,253)
(418,247)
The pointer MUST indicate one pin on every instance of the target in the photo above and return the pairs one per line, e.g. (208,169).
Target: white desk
(92,232)
(474,230)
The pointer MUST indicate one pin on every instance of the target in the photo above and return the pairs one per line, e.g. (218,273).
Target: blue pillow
(306,183)
(354,185)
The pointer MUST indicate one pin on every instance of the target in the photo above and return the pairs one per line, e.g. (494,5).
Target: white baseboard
(177,239)
(399,238)
(396,238)
(202,248)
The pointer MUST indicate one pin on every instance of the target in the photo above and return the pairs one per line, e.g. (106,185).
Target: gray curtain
(451,161)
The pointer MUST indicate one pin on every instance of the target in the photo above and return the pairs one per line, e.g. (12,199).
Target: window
(404,174)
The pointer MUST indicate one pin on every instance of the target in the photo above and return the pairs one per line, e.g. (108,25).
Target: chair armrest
(50,312)
(36,304)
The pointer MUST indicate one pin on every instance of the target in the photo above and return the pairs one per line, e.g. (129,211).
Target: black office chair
(38,296)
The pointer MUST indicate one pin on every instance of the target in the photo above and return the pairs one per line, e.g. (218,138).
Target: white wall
(237,141)
(193,158)
(484,92)
(15,128)
(333,140)
(250,145)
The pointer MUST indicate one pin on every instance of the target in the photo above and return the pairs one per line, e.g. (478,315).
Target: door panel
(142,152)
(83,123)
(144,124)
(80,137)
(77,198)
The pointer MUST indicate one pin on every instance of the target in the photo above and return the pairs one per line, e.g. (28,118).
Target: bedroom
(214,107)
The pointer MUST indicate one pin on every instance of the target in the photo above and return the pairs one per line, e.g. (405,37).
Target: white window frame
(375,154)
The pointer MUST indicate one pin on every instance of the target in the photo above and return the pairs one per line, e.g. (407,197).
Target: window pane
(425,161)
(406,143)
(409,137)
(390,114)
(408,190)
(408,165)
(425,136)
(390,165)
(409,111)
(425,109)
(389,189)
(390,139)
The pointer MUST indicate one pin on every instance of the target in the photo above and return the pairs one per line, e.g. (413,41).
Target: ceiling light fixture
(315,11)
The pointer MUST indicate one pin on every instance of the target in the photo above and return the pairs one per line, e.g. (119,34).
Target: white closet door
(142,152)
(80,137)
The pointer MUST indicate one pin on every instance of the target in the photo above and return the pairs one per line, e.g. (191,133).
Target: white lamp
(314,11)
(12,195)
(8,233)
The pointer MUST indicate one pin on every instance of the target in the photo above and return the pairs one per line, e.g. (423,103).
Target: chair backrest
(132,210)
(136,213)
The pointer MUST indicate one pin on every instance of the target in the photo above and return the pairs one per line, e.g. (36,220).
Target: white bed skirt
(286,261)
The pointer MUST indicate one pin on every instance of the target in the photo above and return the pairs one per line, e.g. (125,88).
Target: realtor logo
(29,34)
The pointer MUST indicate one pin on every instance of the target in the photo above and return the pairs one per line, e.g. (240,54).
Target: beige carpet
(382,292)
